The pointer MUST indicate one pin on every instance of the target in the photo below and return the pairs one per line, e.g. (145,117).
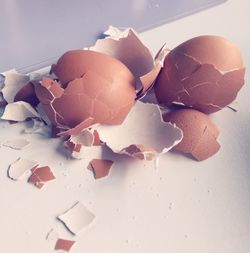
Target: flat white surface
(180,207)
(44,29)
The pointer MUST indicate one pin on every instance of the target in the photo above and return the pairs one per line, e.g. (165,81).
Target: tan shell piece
(40,176)
(204,73)
(199,133)
(100,167)
(65,245)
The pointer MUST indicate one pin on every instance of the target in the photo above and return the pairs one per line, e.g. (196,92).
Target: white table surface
(181,206)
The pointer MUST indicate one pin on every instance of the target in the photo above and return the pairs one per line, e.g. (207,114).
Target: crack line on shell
(200,84)
(221,71)
(204,131)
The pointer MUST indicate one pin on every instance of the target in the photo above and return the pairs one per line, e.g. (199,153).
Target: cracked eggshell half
(199,133)
(92,87)
(204,73)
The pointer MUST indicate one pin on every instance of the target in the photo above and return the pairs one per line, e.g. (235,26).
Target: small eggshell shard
(204,73)
(77,141)
(97,141)
(40,176)
(85,92)
(199,133)
(142,130)
(77,218)
(63,244)
(140,151)
(148,79)
(17,144)
(19,111)
(100,167)
(20,167)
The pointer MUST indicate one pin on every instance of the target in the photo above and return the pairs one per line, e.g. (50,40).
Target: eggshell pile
(92,87)
(199,133)
(91,96)
(204,73)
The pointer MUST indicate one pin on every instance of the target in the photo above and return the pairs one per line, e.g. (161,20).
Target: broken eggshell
(40,176)
(63,244)
(77,218)
(126,46)
(92,88)
(76,142)
(199,133)
(20,167)
(100,167)
(142,135)
(19,111)
(204,73)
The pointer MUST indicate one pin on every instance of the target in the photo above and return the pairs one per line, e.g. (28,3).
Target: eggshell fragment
(77,141)
(40,176)
(199,133)
(77,218)
(141,152)
(126,46)
(204,73)
(20,167)
(19,111)
(64,245)
(100,167)
(97,141)
(143,134)
(98,95)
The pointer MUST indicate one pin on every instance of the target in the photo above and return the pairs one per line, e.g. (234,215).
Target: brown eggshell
(100,167)
(215,50)
(74,64)
(97,89)
(204,73)
(199,133)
